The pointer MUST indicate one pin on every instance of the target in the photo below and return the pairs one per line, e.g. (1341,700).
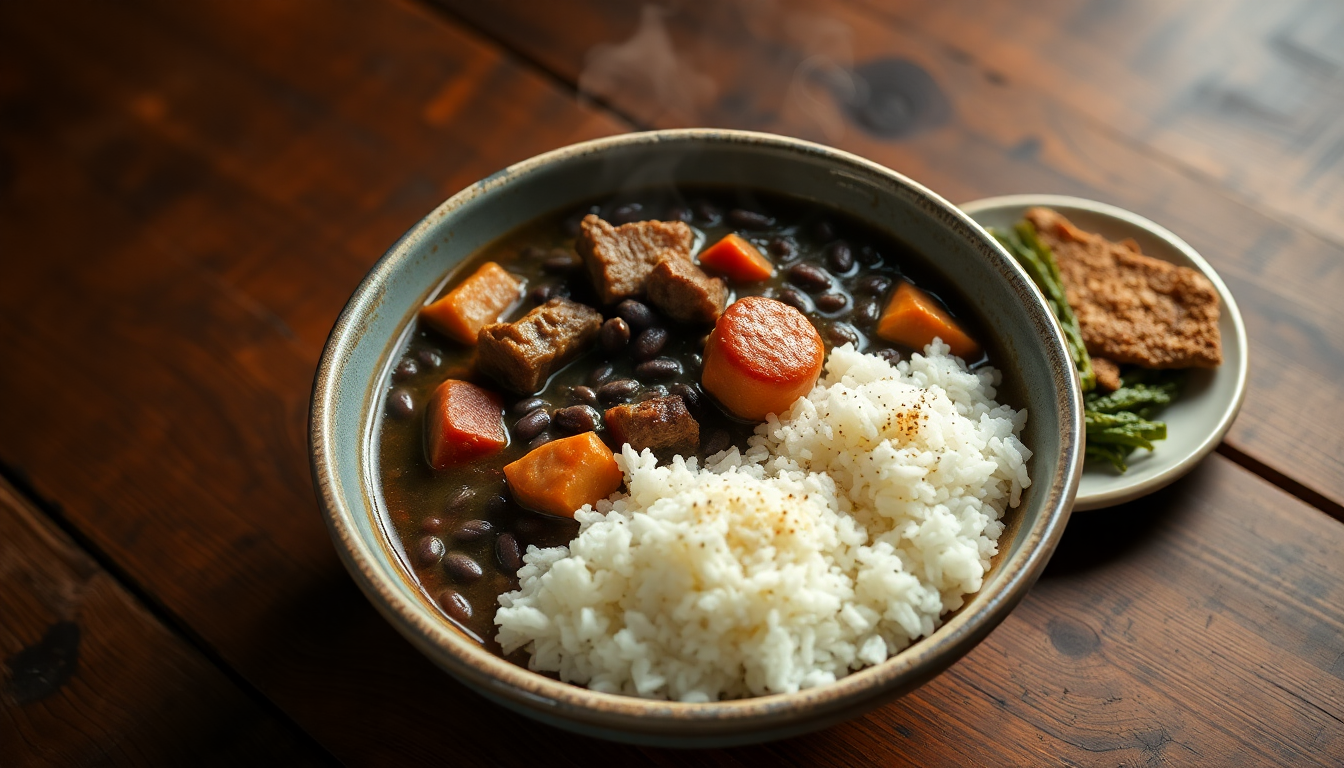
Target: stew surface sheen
(458,531)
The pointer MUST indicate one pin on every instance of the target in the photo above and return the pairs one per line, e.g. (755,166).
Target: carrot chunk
(563,475)
(463,422)
(738,259)
(914,318)
(477,302)
(762,355)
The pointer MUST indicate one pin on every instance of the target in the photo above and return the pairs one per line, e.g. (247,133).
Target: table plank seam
(525,58)
(1283,482)
(53,511)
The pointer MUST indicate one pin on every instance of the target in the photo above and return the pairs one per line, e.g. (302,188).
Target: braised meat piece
(662,424)
(1133,308)
(621,258)
(684,292)
(523,354)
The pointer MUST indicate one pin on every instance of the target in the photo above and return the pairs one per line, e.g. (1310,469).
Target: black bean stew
(459,530)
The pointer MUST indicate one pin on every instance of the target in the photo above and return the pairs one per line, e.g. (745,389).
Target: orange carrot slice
(475,303)
(738,259)
(559,477)
(463,422)
(914,318)
(762,355)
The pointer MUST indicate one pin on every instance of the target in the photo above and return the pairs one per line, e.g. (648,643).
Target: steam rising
(798,89)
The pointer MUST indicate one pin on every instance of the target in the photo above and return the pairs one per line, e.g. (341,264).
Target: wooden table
(190,191)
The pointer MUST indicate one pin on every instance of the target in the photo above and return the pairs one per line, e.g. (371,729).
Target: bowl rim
(565,702)
(1179,468)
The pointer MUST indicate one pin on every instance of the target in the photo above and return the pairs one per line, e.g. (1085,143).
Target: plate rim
(1137,489)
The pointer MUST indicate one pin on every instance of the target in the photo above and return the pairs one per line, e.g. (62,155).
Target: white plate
(1210,399)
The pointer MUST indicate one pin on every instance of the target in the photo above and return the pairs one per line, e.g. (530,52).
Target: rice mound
(849,526)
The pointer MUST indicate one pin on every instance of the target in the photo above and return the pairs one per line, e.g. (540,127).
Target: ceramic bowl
(1210,399)
(1035,364)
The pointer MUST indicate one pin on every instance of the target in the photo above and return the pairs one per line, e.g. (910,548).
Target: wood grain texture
(1245,93)
(184,255)
(92,678)
(965,129)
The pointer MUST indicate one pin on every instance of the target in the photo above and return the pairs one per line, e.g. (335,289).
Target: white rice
(851,524)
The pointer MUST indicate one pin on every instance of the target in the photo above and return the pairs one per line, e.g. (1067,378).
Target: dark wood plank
(1247,93)
(261,161)
(90,677)
(966,131)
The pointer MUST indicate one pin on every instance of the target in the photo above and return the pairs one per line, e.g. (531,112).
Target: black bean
(529,526)
(532,424)
(577,418)
(717,441)
(868,255)
(433,524)
(809,277)
(497,505)
(405,369)
(509,553)
(823,231)
(472,530)
(690,396)
(867,311)
(624,214)
(573,223)
(695,360)
(540,440)
(585,395)
(601,374)
(615,334)
(795,298)
(679,213)
(455,605)
(461,499)
(873,285)
(744,219)
(528,405)
(429,550)
(843,333)
(532,252)
(651,392)
(839,257)
(782,247)
(658,368)
(648,344)
(399,403)
(429,358)
(545,292)
(890,355)
(707,212)
(461,568)
(617,391)
(636,313)
(560,261)
(831,301)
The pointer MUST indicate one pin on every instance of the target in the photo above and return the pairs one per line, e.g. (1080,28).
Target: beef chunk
(684,292)
(523,354)
(620,258)
(1133,308)
(1108,374)
(661,424)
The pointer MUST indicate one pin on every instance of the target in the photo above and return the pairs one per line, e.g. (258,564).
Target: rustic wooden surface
(94,678)
(189,192)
